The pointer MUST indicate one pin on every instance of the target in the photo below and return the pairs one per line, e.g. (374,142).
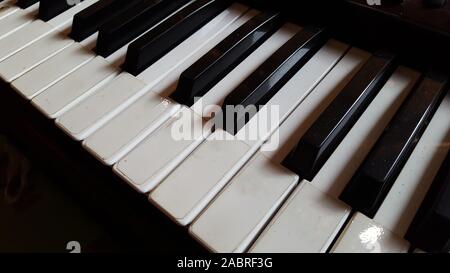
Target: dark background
(37,215)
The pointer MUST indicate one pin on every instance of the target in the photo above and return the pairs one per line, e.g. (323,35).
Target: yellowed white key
(129,127)
(75,87)
(17,20)
(169,151)
(7,8)
(92,113)
(47,74)
(183,205)
(30,33)
(33,55)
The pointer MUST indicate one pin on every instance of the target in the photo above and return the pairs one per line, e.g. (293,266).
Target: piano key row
(344,115)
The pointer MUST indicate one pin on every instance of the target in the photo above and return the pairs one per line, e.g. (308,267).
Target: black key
(319,142)
(26,3)
(430,229)
(157,42)
(133,22)
(218,62)
(49,9)
(369,186)
(264,83)
(88,21)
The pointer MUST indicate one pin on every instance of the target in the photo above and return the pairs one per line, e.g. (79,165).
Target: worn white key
(7,8)
(73,88)
(17,20)
(38,29)
(236,216)
(314,211)
(73,122)
(23,37)
(297,229)
(144,119)
(174,150)
(64,19)
(96,110)
(33,55)
(54,102)
(403,200)
(52,71)
(41,51)
(64,63)
(236,151)
(283,140)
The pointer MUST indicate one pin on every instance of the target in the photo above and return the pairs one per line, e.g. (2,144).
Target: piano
(238,126)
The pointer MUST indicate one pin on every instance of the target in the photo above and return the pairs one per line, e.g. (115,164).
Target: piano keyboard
(354,160)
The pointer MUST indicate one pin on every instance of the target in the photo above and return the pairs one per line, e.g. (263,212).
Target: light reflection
(370,238)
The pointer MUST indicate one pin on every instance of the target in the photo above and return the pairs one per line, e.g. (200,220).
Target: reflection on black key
(373,180)
(262,85)
(154,44)
(430,229)
(213,66)
(319,142)
(88,21)
(49,9)
(26,3)
(133,22)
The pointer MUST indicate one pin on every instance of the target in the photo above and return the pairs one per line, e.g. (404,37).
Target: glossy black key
(264,83)
(49,9)
(371,183)
(213,66)
(133,22)
(319,142)
(26,3)
(430,229)
(88,21)
(170,33)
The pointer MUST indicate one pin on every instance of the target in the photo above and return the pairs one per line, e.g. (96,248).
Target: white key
(38,29)
(318,201)
(65,18)
(98,109)
(75,87)
(363,235)
(33,55)
(55,101)
(233,220)
(7,8)
(17,20)
(307,223)
(41,51)
(73,122)
(23,37)
(132,125)
(173,150)
(280,143)
(403,200)
(52,71)
(212,175)
(64,63)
